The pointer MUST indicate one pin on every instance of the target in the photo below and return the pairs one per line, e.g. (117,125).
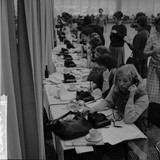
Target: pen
(82,144)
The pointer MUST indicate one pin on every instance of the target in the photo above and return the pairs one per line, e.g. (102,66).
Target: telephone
(98,120)
(135,80)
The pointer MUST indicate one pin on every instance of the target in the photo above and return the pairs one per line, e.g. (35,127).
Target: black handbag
(70,128)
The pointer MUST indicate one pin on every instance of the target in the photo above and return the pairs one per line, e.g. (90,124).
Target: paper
(85,149)
(53,80)
(66,95)
(81,149)
(115,135)
(57,75)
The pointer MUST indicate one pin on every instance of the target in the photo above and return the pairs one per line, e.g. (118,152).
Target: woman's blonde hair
(132,73)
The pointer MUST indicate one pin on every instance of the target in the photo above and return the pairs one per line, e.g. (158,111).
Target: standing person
(152,49)
(138,45)
(134,22)
(94,27)
(118,32)
(93,42)
(101,20)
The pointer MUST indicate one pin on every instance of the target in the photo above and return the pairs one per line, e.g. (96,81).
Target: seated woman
(109,65)
(96,74)
(84,38)
(92,44)
(129,97)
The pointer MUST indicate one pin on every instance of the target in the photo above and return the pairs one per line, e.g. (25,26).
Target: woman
(128,96)
(95,28)
(139,42)
(118,32)
(96,74)
(134,22)
(93,42)
(101,20)
(152,49)
(109,66)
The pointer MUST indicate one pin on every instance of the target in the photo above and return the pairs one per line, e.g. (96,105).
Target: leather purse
(68,128)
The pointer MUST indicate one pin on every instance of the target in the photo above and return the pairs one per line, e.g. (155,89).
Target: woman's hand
(127,39)
(106,75)
(87,110)
(133,88)
(114,31)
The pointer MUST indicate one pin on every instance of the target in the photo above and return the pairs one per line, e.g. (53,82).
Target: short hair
(102,50)
(156,20)
(87,20)
(142,21)
(100,9)
(94,34)
(139,14)
(132,73)
(106,60)
(95,42)
(87,31)
(118,15)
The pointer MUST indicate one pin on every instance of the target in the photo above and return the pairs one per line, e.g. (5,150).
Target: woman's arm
(148,50)
(105,103)
(105,85)
(134,110)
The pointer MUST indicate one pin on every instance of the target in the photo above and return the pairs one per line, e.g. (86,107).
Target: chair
(154,118)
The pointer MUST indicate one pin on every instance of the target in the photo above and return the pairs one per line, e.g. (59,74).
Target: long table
(58,106)
(111,135)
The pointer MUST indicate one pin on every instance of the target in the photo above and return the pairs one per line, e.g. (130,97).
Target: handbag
(70,126)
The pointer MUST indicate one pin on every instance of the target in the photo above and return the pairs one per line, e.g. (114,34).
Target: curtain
(128,7)
(10,82)
(30,67)
(132,7)
(21,73)
(83,7)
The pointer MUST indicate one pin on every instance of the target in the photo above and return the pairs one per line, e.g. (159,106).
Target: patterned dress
(153,77)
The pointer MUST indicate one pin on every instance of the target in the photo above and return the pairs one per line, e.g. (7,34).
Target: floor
(153,135)
(153,132)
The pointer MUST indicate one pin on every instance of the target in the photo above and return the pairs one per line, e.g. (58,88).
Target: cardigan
(136,113)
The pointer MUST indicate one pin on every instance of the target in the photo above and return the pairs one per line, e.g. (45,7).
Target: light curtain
(128,7)
(22,74)
(83,7)
(10,82)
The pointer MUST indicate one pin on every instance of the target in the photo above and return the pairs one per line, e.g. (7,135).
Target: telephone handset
(135,81)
